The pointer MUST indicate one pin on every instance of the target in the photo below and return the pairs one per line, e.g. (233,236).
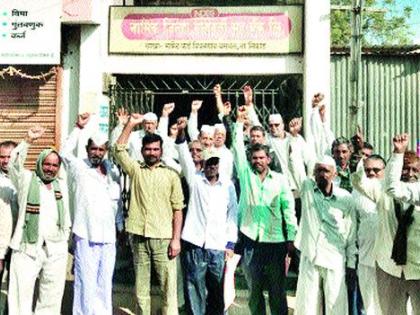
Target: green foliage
(378,28)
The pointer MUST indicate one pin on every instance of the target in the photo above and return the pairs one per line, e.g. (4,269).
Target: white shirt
(97,197)
(388,223)
(367,216)
(226,161)
(212,215)
(8,210)
(327,231)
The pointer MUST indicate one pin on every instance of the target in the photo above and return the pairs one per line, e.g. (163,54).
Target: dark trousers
(264,268)
(6,266)
(203,279)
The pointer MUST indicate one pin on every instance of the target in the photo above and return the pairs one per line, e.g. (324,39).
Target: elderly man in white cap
(327,240)
(95,183)
(226,156)
(149,125)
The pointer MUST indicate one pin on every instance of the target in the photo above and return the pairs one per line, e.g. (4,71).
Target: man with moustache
(367,230)
(397,252)
(327,240)
(267,223)
(40,239)
(154,218)
(8,212)
(95,184)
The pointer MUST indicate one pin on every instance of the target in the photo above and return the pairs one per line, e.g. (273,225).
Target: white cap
(99,138)
(275,119)
(150,117)
(220,128)
(326,160)
(207,129)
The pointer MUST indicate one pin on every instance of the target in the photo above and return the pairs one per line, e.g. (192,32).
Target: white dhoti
(93,269)
(317,286)
(24,271)
(369,289)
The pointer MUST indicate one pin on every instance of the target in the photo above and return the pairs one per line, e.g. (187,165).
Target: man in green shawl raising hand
(39,242)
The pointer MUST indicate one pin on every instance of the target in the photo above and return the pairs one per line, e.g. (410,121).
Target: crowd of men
(344,217)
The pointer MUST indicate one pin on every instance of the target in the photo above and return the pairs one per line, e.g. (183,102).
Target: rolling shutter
(29,96)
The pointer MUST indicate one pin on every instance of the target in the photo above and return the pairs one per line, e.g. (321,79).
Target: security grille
(280,94)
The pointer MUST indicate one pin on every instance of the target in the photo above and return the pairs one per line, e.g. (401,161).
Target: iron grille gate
(280,94)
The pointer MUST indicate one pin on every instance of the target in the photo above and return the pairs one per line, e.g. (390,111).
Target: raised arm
(321,136)
(185,158)
(122,117)
(193,120)
(249,103)
(162,128)
(19,154)
(120,148)
(296,154)
(407,192)
(238,146)
(67,151)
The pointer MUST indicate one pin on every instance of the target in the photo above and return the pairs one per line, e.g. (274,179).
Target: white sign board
(30,31)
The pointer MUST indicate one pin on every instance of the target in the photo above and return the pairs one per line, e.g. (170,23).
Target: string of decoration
(12,71)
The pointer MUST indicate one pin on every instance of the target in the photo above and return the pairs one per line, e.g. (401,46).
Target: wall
(391,91)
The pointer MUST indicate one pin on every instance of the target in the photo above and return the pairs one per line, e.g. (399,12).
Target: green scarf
(30,231)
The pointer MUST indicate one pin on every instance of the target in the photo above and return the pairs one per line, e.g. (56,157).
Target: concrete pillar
(316,74)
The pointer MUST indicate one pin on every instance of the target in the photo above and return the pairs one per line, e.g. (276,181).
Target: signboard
(202,30)
(30,32)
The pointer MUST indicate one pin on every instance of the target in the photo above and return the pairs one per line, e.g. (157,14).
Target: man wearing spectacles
(374,168)
(397,249)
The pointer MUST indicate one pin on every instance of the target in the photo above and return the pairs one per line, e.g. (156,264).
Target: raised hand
(196,105)
(35,133)
(227,108)
(135,119)
(401,142)
(122,115)
(242,114)
(359,137)
(217,90)
(322,112)
(248,95)
(317,98)
(295,126)
(168,109)
(181,123)
(82,120)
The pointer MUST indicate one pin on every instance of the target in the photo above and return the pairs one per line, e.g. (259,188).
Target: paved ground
(123,299)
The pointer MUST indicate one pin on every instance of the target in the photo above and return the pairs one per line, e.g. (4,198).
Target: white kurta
(366,236)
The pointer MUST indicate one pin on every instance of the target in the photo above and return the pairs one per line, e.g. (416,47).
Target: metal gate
(272,94)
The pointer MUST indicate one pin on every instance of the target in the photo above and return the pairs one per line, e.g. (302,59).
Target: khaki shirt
(154,194)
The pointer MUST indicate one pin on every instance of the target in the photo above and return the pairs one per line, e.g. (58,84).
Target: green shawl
(30,231)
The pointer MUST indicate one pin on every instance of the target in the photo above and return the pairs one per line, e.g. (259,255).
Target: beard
(95,161)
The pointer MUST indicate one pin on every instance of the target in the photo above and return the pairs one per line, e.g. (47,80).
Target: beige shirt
(388,223)
(154,194)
